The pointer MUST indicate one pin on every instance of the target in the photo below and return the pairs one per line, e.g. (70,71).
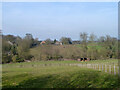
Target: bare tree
(92,37)
(66,40)
(83,38)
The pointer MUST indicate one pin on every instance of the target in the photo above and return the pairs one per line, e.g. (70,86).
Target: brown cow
(88,59)
(78,60)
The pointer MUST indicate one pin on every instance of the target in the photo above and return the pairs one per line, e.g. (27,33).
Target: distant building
(10,43)
(76,42)
(43,42)
(58,43)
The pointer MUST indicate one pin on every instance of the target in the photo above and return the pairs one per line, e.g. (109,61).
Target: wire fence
(110,68)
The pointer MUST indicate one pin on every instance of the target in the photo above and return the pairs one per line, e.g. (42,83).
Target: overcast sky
(56,19)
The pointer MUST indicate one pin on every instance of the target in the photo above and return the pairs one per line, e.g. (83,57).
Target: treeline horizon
(97,37)
(17,49)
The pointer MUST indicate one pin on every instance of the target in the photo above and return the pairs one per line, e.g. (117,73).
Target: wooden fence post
(91,66)
(110,69)
(118,71)
(94,66)
(99,67)
(102,67)
(105,68)
(88,66)
(114,70)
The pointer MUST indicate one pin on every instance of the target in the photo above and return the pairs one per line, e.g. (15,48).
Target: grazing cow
(81,59)
(78,60)
(88,59)
(85,59)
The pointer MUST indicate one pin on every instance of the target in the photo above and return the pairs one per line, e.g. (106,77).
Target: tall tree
(24,45)
(83,39)
(101,39)
(48,41)
(55,41)
(92,37)
(66,40)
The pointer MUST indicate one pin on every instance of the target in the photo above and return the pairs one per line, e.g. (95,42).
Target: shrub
(16,58)
(6,58)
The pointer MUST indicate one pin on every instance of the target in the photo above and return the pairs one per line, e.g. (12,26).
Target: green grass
(95,45)
(109,61)
(53,76)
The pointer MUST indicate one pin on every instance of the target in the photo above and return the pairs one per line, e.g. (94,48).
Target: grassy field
(58,75)
(109,61)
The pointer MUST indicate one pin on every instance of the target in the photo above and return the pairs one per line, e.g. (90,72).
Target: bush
(6,58)
(16,58)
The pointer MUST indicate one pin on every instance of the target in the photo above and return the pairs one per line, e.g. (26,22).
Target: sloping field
(55,74)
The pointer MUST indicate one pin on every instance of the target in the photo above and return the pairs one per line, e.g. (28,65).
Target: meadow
(64,51)
(57,74)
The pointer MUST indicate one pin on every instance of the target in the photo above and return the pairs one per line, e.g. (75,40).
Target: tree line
(17,49)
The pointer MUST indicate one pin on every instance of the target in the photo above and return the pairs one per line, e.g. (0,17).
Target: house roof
(43,42)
